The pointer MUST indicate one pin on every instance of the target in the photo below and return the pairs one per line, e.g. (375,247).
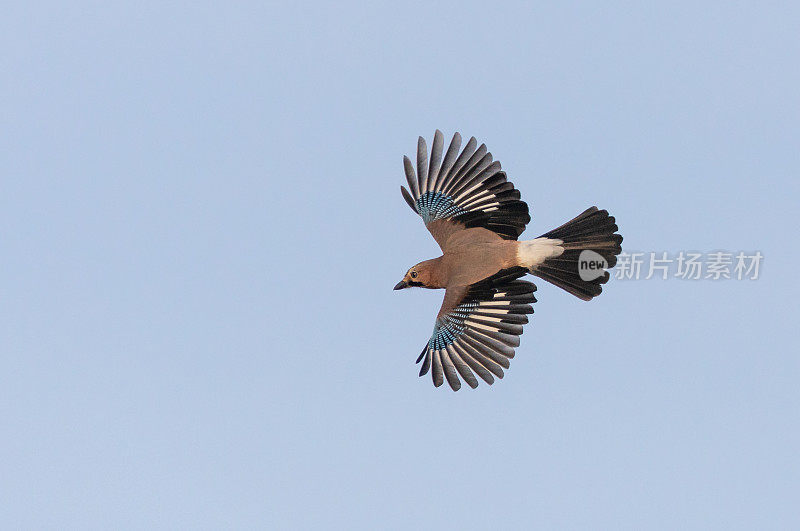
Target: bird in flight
(476,216)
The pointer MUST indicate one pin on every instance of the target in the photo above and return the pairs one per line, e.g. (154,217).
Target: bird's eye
(413,274)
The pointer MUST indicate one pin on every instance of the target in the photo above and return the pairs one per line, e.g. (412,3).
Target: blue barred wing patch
(450,326)
(435,205)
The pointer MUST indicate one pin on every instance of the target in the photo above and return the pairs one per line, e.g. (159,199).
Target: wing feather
(447,163)
(422,165)
(462,368)
(477,329)
(436,160)
(462,159)
(411,177)
(479,369)
(437,369)
(462,191)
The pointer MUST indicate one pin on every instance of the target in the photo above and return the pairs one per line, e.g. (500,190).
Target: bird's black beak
(400,285)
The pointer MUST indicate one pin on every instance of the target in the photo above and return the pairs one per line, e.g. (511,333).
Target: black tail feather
(592,230)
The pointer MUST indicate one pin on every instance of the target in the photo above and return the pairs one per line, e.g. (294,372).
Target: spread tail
(575,256)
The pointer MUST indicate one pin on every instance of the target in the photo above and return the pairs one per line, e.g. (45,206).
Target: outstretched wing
(462,191)
(478,328)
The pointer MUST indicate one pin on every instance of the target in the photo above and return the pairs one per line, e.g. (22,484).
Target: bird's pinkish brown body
(469,256)
(476,217)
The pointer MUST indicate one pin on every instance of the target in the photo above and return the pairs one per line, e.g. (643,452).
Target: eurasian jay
(475,215)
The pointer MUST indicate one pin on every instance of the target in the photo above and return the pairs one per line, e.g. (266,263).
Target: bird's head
(420,275)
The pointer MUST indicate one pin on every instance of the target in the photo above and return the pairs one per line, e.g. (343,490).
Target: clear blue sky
(201,224)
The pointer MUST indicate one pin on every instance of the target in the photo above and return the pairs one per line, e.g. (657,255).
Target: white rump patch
(531,253)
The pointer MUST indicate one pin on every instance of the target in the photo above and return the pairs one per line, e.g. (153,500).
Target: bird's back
(472,255)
